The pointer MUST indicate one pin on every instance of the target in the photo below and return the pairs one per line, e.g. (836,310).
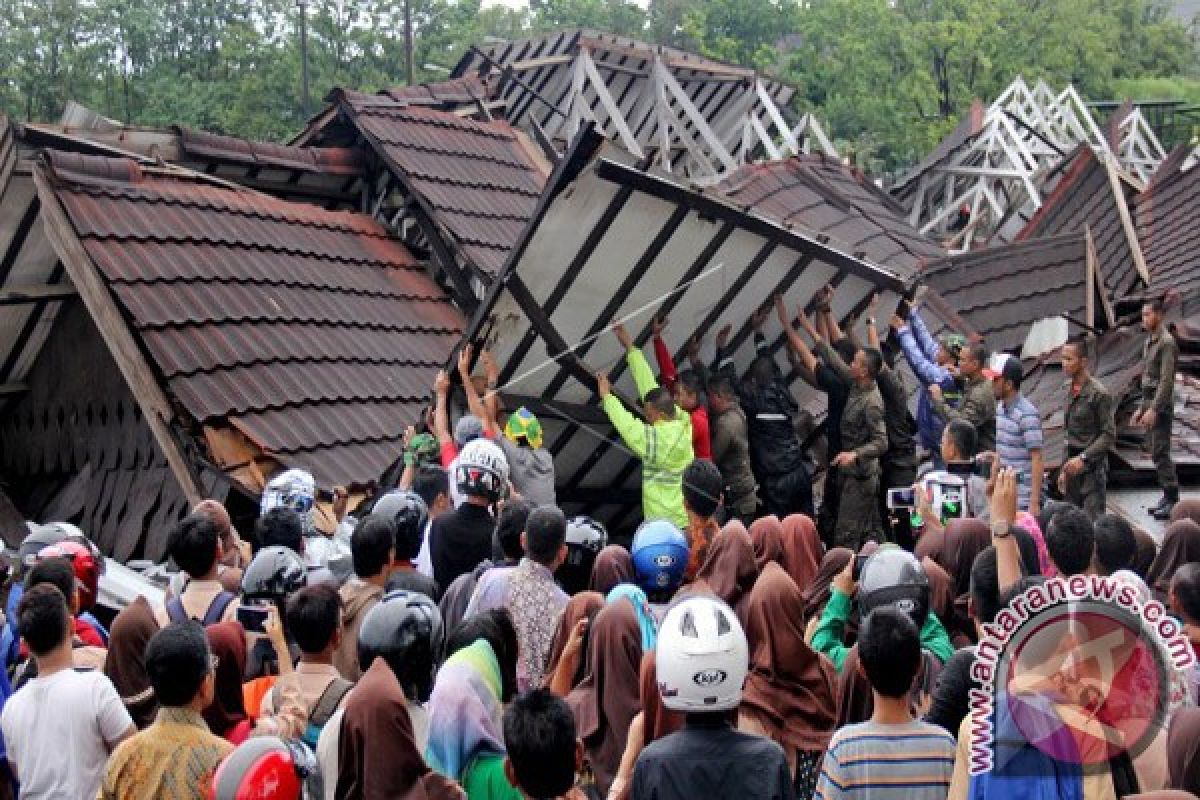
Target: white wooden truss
(697,118)
(994,179)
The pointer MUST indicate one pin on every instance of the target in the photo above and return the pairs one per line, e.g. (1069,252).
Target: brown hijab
(582,605)
(377,752)
(227,641)
(657,720)
(124,664)
(941,590)
(1187,508)
(730,571)
(610,696)
(613,565)
(930,545)
(792,544)
(965,539)
(817,595)
(1144,555)
(1181,545)
(1183,750)
(790,689)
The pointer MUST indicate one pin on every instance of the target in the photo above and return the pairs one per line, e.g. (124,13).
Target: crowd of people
(460,636)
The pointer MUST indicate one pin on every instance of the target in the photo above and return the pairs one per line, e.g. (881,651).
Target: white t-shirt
(59,731)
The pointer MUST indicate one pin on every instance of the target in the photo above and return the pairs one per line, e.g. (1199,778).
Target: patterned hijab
(464,711)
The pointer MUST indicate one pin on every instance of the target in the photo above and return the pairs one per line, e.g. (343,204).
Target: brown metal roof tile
(824,196)
(313,331)
(1168,219)
(1085,198)
(1002,290)
(476,179)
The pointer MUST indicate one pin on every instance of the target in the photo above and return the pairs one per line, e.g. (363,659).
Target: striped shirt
(1018,434)
(909,761)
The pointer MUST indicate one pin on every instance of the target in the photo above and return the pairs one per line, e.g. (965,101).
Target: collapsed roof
(251,333)
(614,240)
(696,117)
(990,174)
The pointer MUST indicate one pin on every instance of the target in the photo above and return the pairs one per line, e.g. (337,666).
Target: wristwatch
(1000,529)
(871,321)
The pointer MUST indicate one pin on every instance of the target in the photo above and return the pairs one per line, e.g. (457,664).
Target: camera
(902,497)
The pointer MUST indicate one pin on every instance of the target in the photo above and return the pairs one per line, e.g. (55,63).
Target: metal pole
(408,43)
(304,52)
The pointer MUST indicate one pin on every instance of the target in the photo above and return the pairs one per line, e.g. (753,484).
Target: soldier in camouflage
(1091,433)
(1156,409)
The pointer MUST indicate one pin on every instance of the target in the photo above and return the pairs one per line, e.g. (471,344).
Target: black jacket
(712,761)
(771,416)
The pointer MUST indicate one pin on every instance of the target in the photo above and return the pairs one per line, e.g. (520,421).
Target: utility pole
(301,4)
(408,43)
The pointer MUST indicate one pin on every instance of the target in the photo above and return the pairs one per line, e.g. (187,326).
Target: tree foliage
(889,77)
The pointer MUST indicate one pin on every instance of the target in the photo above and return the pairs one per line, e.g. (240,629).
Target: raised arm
(929,346)
(491,400)
(441,413)
(666,364)
(796,344)
(643,377)
(474,401)
(926,369)
(631,429)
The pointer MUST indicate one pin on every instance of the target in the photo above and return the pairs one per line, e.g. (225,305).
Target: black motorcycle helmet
(585,539)
(894,577)
(406,509)
(405,630)
(275,573)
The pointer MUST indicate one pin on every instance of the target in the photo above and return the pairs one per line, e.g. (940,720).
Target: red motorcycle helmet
(262,768)
(83,561)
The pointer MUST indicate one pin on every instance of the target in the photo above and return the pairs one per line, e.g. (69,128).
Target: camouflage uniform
(1158,393)
(864,433)
(1091,433)
(978,407)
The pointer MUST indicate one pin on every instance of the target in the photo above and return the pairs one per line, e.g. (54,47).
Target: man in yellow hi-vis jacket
(663,442)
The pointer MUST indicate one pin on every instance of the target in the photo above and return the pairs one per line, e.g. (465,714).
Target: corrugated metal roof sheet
(477,179)
(615,241)
(827,197)
(1003,290)
(313,332)
(1092,195)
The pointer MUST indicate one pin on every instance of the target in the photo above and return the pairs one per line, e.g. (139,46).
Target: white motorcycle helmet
(482,470)
(702,656)
(294,489)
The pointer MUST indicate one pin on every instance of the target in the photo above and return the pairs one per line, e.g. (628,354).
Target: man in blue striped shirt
(892,756)
(1018,431)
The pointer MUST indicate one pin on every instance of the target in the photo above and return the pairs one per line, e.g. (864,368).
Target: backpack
(325,707)
(216,609)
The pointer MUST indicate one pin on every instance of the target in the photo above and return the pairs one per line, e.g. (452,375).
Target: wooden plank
(9,389)
(92,289)
(1127,225)
(20,295)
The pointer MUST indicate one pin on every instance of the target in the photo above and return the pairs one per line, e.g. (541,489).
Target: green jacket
(828,637)
(665,448)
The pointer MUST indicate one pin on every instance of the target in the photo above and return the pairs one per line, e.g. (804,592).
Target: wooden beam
(9,389)
(21,295)
(155,407)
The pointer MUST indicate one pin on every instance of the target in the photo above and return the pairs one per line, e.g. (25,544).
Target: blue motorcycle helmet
(660,557)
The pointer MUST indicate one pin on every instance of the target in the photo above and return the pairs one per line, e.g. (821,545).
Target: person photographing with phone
(956,492)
